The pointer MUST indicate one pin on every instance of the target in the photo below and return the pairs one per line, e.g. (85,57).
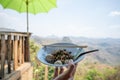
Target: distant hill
(109,48)
(45,40)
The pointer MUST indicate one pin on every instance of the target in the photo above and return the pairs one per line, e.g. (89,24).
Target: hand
(67,75)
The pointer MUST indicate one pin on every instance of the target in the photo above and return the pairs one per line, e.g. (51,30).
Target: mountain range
(109,48)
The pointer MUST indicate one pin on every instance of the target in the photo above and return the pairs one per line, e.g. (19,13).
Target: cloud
(115,13)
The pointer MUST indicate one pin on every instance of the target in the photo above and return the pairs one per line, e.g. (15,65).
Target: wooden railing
(14,51)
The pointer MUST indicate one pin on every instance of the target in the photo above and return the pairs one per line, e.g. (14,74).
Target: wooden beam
(19,74)
(0,48)
(27,52)
(15,52)
(0,57)
(20,50)
(3,52)
(14,33)
(12,49)
(46,72)
(9,53)
(23,49)
(26,49)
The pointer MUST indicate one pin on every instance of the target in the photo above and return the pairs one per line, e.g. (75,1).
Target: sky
(86,18)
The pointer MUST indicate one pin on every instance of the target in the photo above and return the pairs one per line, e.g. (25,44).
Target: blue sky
(88,18)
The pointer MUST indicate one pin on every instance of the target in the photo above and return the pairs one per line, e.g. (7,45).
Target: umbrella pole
(27,21)
(27,16)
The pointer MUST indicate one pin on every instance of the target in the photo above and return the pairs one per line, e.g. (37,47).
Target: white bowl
(44,51)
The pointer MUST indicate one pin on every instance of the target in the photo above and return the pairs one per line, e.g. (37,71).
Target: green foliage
(38,68)
(93,74)
(115,75)
(96,71)
(34,47)
(50,74)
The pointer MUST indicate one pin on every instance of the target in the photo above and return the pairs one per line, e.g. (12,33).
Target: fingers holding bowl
(55,72)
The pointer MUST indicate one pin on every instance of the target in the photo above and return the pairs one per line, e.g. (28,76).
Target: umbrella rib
(52,3)
(7,4)
(33,8)
(42,5)
(21,6)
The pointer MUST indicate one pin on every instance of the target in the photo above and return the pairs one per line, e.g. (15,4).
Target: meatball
(50,58)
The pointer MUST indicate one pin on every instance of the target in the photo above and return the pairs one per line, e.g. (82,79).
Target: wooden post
(23,50)
(9,53)
(0,57)
(20,50)
(27,54)
(3,46)
(12,49)
(15,52)
(46,72)
(0,48)
(18,56)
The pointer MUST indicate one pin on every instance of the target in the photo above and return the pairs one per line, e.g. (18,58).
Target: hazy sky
(88,18)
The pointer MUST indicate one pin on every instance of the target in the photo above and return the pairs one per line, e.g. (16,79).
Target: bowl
(45,50)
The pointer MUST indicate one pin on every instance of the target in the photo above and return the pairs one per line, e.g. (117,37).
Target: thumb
(71,68)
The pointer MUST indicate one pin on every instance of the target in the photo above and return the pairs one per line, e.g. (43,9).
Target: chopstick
(85,53)
(68,46)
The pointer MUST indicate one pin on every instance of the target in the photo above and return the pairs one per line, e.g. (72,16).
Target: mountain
(109,48)
(45,40)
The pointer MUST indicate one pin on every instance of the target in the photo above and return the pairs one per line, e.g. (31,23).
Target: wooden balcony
(14,55)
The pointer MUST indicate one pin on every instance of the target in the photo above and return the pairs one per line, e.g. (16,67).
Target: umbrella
(29,6)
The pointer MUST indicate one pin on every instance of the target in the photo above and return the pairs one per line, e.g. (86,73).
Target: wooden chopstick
(68,46)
